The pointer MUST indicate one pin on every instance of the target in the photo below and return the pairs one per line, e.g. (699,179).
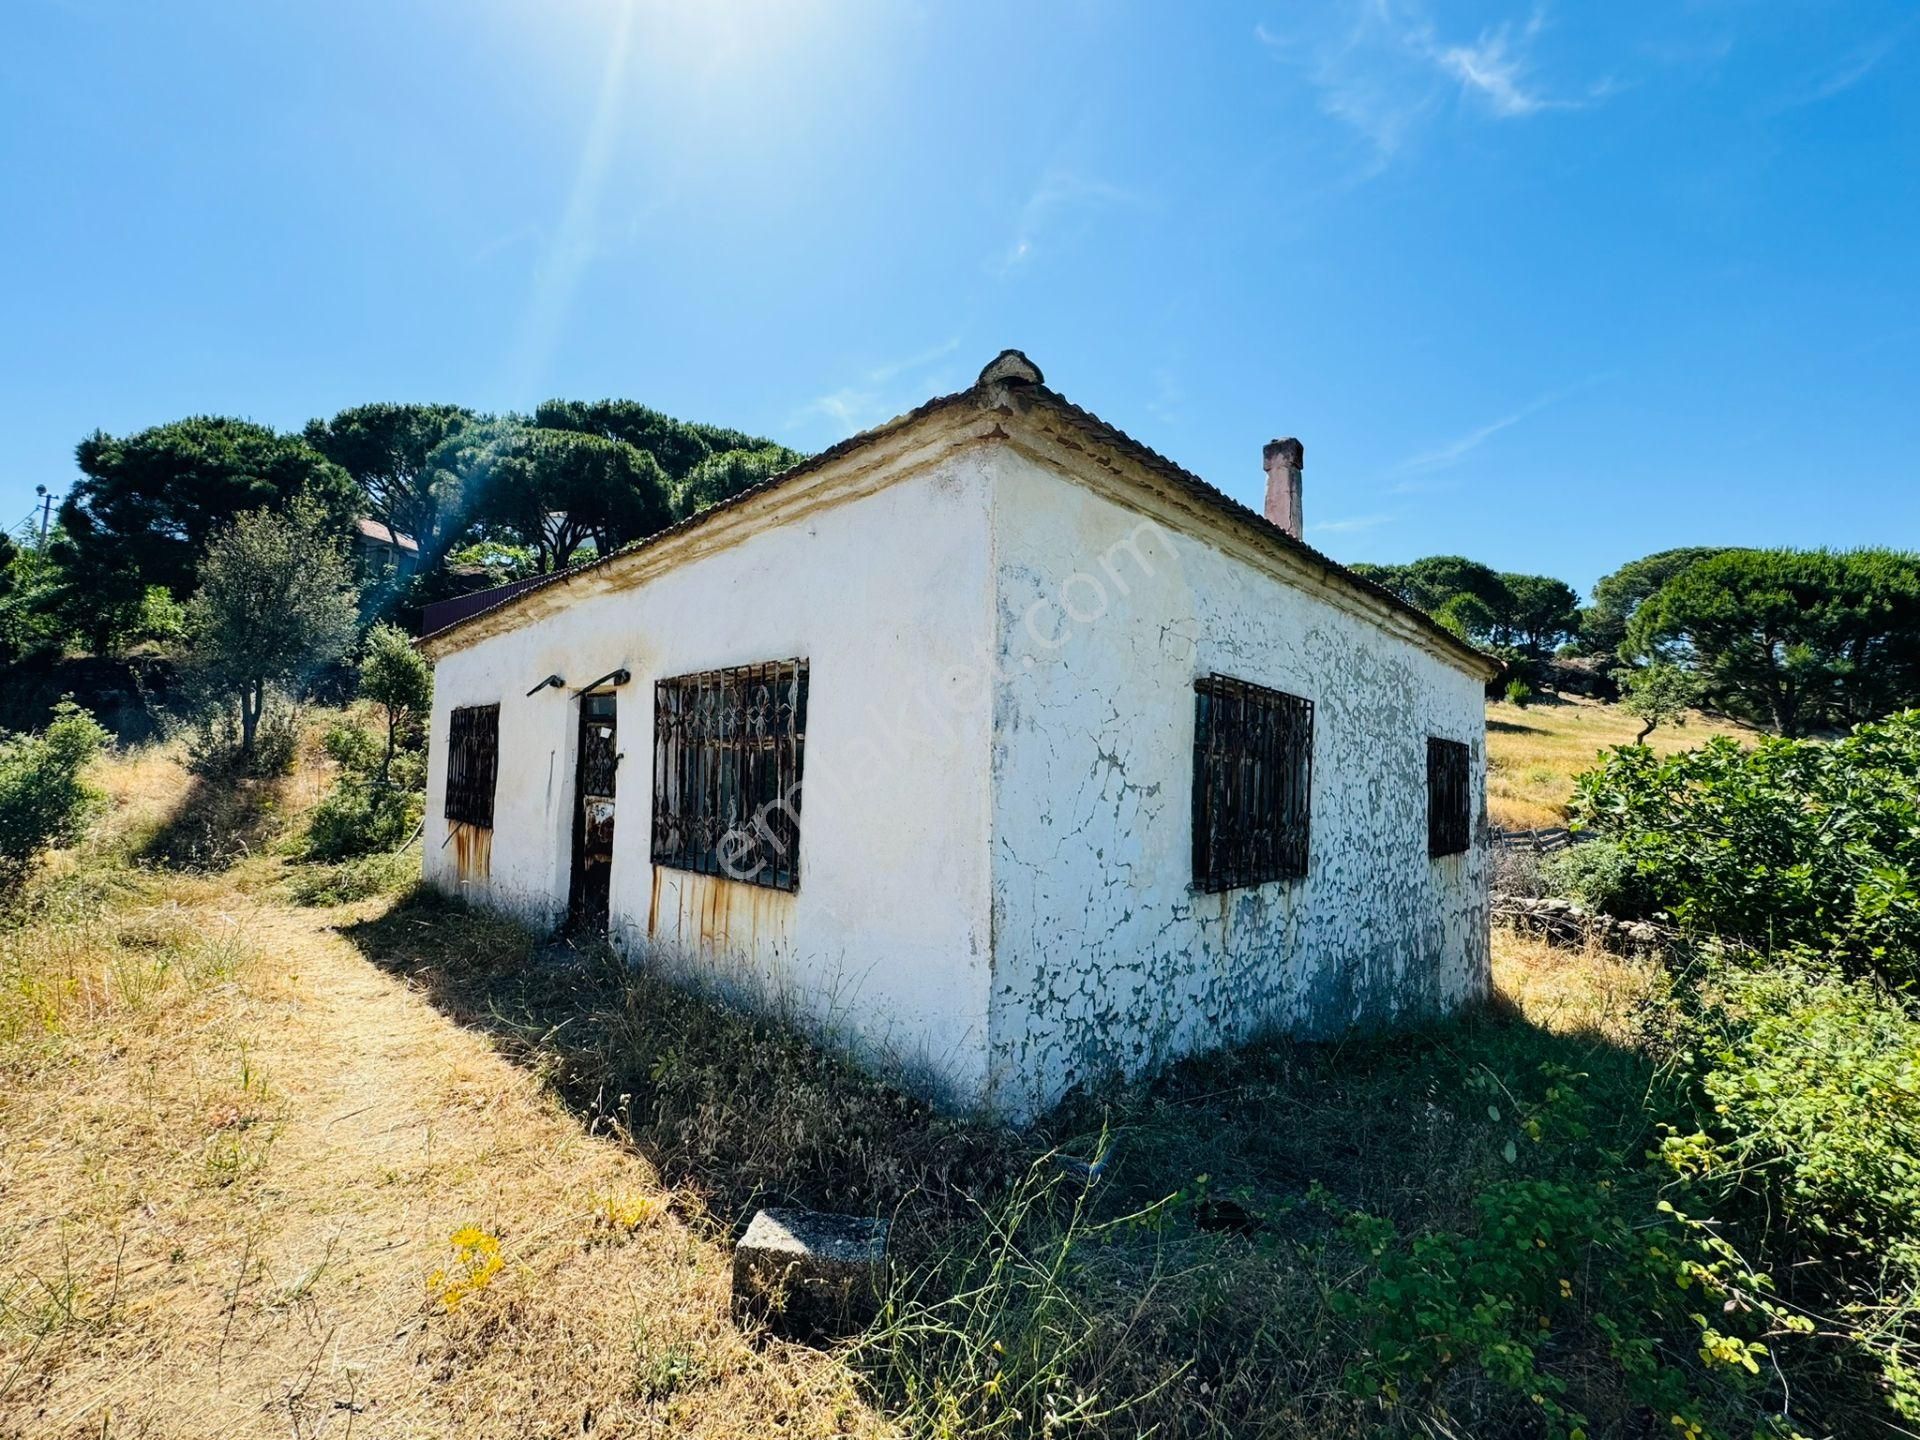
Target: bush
(360,878)
(396,677)
(1600,876)
(379,798)
(1519,693)
(1789,843)
(360,816)
(1574,1237)
(212,736)
(364,814)
(44,800)
(1807,1140)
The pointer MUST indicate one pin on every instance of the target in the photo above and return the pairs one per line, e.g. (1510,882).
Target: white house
(993,742)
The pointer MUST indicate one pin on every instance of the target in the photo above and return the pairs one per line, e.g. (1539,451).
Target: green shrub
(1807,1142)
(1576,1236)
(360,878)
(213,739)
(359,816)
(44,799)
(396,677)
(1786,843)
(1519,693)
(1599,875)
(380,796)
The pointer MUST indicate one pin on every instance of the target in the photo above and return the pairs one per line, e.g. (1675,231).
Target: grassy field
(1533,754)
(239,1159)
(293,1150)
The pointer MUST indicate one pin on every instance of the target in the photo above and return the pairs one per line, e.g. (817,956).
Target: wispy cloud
(1359,78)
(1059,196)
(1849,72)
(1386,68)
(1494,68)
(878,394)
(528,234)
(1452,452)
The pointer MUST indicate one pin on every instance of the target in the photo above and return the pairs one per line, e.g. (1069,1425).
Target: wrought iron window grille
(473,764)
(729,749)
(1252,784)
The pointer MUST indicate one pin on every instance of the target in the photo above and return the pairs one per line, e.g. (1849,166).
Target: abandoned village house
(991,742)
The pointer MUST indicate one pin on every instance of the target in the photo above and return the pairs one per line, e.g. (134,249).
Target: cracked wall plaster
(995,863)
(1105,960)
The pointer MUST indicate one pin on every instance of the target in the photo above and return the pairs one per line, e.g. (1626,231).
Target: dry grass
(238,1136)
(1589,993)
(233,1153)
(1533,754)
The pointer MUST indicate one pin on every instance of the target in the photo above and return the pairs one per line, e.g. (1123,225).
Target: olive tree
(1657,694)
(276,603)
(396,677)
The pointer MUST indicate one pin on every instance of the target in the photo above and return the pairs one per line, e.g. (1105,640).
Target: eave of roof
(1008,370)
(385,534)
(1104,433)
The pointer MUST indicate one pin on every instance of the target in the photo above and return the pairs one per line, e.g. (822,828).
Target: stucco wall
(1104,958)
(996,853)
(887,596)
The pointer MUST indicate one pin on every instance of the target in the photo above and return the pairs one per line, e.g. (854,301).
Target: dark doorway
(599,758)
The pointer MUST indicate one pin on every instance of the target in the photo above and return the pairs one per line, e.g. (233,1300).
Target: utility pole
(46,512)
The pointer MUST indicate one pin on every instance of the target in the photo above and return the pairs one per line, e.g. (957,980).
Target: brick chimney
(1284,459)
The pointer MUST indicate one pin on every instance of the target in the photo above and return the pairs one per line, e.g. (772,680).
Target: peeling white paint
(1105,958)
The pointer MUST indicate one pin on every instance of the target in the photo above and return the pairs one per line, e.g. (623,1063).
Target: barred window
(1252,783)
(473,763)
(1449,797)
(728,750)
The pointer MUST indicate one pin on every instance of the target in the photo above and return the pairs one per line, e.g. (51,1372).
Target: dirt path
(222,1207)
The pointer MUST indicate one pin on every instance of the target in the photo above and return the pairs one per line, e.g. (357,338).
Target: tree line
(485,498)
(1801,641)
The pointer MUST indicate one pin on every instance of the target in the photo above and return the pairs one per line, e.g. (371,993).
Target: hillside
(1534,753)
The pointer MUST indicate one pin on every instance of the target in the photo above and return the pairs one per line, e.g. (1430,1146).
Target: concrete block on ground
(808,1274)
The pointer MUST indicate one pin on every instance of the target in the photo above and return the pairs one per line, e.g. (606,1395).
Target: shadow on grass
(1510,727)
(219,819)
(747,1111)
(741,1110)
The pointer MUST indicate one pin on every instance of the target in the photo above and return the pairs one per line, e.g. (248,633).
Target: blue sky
(1551,286)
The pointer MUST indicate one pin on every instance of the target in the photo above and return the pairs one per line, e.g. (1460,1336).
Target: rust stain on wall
(472,852)
(713,913)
